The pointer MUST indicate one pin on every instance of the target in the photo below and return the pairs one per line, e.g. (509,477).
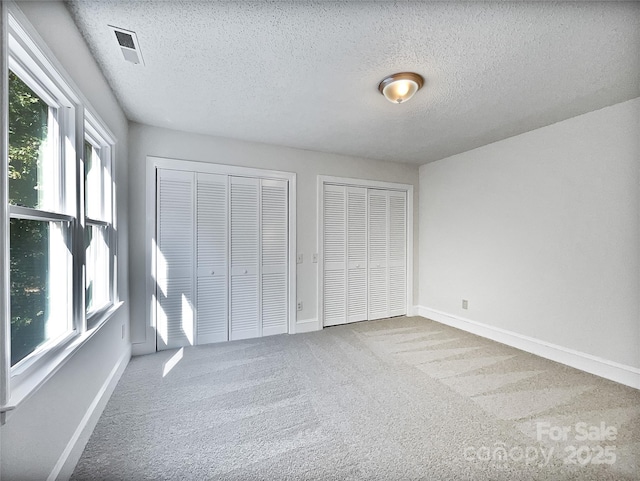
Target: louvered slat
(174,259)
(274,251)
(378,221)
(397,253)
(334,256)
(334,297)
(378,301)
(274,304)
(175,226)
(211,234)
(356,253)
(397,227)
(244,222)
(244,316)
(274,223)
(175,315)
(212,309)
(211,225)
(397,291)
(334,224)
(378,226)
(357,295)
(244,307)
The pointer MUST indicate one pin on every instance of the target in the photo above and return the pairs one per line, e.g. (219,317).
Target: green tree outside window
(29,240)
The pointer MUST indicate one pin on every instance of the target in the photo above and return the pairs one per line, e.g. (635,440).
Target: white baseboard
(307,325)
(72,452)
(623,374)
(301,326)
(142,348)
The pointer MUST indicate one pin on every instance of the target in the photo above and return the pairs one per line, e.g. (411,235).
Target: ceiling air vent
(128,43)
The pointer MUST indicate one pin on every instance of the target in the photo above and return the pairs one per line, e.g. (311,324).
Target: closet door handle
(246,271)
(213,272)
(357,266)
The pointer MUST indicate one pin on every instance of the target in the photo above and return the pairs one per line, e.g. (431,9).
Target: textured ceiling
(305,74)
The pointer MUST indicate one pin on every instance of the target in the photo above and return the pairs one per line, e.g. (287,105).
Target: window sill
(29,383)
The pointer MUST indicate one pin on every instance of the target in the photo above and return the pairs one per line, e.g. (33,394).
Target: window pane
(39,274)
(92,182)
(97,267)
(32,174)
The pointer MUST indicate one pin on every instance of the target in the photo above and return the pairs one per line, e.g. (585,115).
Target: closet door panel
(174,259)
(334,255)
(378,222)
(397,253)
(212,254)
(244,240)
(356,254)
(274,235)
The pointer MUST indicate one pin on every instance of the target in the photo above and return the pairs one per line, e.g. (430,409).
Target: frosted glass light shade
(400,87)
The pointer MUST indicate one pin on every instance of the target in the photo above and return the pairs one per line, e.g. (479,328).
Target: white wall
(145,140)
(38,431)
(541,233)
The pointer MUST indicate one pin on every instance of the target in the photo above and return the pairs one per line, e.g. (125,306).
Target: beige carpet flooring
(402,398)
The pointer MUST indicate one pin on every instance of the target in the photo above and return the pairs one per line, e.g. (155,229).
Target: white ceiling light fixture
(400,87)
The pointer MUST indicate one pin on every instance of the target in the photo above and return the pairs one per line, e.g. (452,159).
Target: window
(40,231)
(98,227)
(59,199)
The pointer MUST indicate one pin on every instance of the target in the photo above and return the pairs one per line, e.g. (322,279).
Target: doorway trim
(371,184)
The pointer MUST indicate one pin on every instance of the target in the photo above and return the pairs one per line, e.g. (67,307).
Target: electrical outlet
(315,258)
(465,304)
(299,305)
(299,258)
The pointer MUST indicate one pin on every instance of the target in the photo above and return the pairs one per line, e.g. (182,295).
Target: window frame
(22,49)
(97,136)
(38,77)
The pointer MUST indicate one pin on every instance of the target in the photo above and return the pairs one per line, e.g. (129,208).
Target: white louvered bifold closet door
(397,253)
(334,255)
(174,259)
(273,254)
(378,202)
(211,243)
(244,289)
(356,254)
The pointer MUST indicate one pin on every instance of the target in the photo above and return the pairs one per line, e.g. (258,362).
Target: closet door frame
(372,184)
(145,341)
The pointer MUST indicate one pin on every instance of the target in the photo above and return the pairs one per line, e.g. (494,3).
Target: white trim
(614,371)
(48,366)
(5,285)
(19,212)
(212,168)
(376,184)
(67,461)
(148,344)
(307,325)
(145,347)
